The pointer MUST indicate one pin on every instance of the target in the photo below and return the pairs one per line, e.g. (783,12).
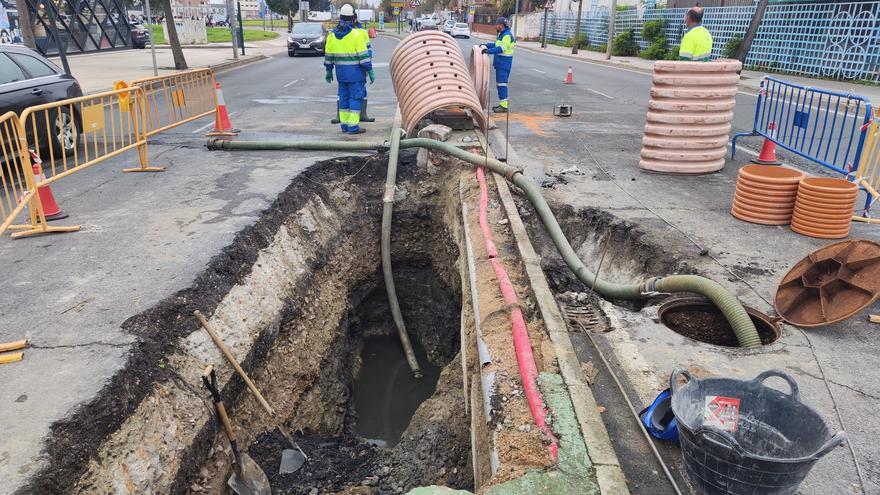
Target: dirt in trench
(711,327)
(433,450)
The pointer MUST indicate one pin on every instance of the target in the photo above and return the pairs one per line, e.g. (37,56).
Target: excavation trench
(337,372)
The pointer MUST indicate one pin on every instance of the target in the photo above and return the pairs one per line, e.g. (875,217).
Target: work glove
(372,76)
(328,76)
(485,50)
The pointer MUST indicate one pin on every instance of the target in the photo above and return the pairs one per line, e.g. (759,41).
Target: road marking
(599,93)
(202,128)
(536,70)
(291,83)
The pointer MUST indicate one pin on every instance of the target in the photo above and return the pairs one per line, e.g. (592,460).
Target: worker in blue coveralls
(502,52)
(346,50)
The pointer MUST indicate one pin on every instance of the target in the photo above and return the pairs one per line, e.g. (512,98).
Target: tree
(286,7)
(173,40)
(25,24)
(752,31)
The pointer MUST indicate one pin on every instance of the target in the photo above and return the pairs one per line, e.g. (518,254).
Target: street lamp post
(577,28)
(230,14)
(152,45)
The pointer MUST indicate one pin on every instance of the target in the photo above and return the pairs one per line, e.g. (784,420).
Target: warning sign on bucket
(721,412)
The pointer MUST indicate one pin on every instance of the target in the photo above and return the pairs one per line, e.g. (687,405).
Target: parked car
(427,25)
(27,79)
(447,26)
(307,37)
(461,29)
(140,35)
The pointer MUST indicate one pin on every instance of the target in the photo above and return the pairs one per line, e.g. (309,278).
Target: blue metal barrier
(826,127)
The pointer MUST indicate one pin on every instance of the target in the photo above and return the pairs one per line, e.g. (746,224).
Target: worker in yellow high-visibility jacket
(696,45)
(346,51)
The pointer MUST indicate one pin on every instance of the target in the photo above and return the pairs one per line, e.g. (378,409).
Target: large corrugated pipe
(429,74)
(743,327)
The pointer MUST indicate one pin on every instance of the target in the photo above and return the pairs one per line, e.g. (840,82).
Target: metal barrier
(867,176)
(71,135)
(827,127)
(177,99)
(19,183)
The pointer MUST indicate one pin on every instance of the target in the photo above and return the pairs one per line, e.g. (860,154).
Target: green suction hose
(743,327)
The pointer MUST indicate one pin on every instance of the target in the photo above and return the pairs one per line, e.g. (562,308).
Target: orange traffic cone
(569,78)
(768,150)
(50,208)
(222,124)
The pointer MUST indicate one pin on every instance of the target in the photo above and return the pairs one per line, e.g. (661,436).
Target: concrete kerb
(609,474)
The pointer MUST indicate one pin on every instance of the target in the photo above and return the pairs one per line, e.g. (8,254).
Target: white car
(447,26)
(460,29)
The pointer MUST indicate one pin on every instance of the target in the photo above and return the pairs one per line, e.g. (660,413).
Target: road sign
(414,3)
(397,4)
(304,6)
(396,10)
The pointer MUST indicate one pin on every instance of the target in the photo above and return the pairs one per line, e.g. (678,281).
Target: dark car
(140,35)
(26,80)
(306,37)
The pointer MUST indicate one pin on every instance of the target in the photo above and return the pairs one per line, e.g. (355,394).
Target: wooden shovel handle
(229,357)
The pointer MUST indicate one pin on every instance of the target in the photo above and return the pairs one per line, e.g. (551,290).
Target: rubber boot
(336,120)
(364,116)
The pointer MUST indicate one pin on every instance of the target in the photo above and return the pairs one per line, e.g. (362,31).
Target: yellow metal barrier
(71,135)
(868,173)
(176,99)
(19,183)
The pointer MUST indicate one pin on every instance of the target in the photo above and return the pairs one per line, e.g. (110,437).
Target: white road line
(536,70)
(599,93)
(202,128)
(291,83)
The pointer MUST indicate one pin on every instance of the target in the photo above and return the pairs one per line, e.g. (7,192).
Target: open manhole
(699,319)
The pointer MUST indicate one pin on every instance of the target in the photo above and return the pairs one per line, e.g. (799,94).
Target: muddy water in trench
(385,394)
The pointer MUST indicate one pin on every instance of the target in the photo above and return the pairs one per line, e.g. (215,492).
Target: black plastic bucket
(742,437)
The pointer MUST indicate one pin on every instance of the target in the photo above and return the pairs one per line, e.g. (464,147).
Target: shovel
(248,478)
(291,460)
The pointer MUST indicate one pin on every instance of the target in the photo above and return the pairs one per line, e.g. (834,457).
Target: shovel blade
(291,461)
(249,479)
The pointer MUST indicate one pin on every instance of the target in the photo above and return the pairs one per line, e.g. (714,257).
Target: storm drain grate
(582,316)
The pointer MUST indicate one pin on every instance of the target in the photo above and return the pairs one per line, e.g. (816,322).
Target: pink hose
(528,371)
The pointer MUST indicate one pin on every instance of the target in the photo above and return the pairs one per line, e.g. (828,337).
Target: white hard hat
(346,10)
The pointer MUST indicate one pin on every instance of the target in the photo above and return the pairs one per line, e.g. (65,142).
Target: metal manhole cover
(830,284)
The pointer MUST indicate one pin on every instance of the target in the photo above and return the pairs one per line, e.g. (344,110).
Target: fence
(74,134)
(826,127)
(177,99)
(867,176)
(832,40)
(19,183)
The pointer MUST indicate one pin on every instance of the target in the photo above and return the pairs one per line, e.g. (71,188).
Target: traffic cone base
(569,78)
(768,149)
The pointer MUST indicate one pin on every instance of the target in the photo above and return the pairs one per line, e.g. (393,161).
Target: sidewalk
(98,71)
(749,82)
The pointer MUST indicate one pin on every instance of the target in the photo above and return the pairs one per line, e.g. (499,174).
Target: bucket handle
(719,437)
(795,395)
(673,378)
(830,445)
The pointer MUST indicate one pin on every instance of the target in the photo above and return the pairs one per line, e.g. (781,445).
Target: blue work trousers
(351,100)
(501,77)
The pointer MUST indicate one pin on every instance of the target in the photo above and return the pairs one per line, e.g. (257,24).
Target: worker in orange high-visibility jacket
(346,52)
